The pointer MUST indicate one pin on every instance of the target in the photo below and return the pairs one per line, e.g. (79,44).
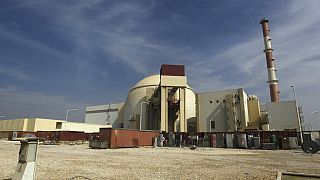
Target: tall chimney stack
(272,79)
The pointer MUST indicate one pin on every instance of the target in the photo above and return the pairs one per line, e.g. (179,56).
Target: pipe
(272,78)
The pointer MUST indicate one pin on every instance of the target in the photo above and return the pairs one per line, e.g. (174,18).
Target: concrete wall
(38,124)
(222,107)
(190,107)
(173,81)
(142,91)
(132,108)
(211,107)
(109,114)
(43,124)
(243,108)
(283,115)
(13,125)
(87,128)
(28,124)
(254,110)
(136,96)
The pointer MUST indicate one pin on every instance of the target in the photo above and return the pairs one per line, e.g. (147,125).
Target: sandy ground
(80,162)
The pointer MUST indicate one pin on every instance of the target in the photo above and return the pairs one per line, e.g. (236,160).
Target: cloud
(25,41)
(15,73)
(108,31)
(296,49)
(103,34)
(16,103)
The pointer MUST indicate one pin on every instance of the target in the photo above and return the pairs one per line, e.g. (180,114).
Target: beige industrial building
(274,116)
(109,114)
(222,111)
(281,115)
(39,124)
(258,119)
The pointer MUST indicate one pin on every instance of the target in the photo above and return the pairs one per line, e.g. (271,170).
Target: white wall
(244,107)
(39,124)
(190,104)
(87,128)
(132,107)
(13,125)
(282,115)
(208,108)
(211,106)
(104,114)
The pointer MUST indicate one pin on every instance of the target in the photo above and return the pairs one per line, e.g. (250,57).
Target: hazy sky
(56,55)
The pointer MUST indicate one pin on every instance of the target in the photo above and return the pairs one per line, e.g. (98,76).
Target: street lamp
(298,113)
(147,102)
(67,116)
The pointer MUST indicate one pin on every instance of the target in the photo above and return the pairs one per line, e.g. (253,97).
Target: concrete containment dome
(153,80)
(140,93)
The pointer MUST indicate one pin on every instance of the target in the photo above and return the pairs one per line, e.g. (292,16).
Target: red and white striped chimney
(272,79)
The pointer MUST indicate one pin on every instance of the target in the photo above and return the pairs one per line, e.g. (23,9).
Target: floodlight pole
(65,126)
(298,113)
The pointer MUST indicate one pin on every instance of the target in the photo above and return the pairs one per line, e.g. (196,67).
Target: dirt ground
(80,162)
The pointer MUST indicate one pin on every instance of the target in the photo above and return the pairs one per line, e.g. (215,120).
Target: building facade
(222,111)
(108,114)
(254,112)
(40,124)
(282,115)
(152,106)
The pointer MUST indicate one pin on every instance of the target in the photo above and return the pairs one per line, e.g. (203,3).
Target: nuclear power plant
(162,110)
(165,104)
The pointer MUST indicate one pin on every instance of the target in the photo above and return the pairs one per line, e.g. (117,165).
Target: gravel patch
(79,162)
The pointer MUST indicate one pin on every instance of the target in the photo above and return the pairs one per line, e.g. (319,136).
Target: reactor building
(166,103)
(162,102)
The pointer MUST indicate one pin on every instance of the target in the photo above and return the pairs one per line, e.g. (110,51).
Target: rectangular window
(212,124)
(58,125)
(192,127)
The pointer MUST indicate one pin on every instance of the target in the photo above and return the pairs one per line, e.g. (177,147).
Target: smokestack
(272,79)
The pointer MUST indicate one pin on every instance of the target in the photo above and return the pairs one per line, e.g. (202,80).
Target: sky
(56,55)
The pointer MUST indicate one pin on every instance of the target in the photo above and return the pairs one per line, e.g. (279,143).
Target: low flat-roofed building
(40,124)
(108,114)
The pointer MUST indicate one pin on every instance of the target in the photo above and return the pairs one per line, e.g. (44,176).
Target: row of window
(217,101)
